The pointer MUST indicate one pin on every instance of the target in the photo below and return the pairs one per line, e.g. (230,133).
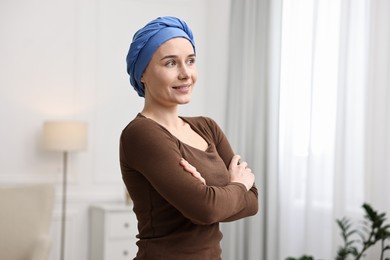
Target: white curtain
(251,116)
(308,107)
(324,54)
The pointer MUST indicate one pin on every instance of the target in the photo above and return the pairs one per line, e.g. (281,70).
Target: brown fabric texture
(178,216)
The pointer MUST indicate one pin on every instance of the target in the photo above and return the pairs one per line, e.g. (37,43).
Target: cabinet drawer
(121,225)
(121,249)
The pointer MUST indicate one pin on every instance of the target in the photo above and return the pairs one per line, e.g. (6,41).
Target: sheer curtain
(308,106)
(333,119)
(251,116)
(377,136)
(324,59)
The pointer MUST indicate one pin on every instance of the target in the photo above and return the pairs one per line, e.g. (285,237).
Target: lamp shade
(65,135)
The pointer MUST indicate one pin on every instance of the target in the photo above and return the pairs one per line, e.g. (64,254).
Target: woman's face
(171,73)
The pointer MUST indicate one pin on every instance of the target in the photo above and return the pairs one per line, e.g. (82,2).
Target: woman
(180,172)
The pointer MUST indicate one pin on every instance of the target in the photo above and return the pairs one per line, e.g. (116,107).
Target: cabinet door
(120,250)
(121,225)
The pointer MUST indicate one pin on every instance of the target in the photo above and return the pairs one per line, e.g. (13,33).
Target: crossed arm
(238,171)
(162,170)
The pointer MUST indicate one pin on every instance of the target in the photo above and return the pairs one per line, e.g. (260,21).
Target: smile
(183,87)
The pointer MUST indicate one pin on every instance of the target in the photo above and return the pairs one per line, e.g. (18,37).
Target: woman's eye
(170,63)
(191,61)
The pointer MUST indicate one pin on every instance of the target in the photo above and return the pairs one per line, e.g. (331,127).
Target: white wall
(66,60)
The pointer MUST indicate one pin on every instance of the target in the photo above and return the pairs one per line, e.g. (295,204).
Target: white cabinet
(113,231)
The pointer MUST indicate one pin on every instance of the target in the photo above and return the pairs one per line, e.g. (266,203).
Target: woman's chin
(184,102)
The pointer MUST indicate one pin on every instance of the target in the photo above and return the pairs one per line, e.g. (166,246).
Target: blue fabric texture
(147,40)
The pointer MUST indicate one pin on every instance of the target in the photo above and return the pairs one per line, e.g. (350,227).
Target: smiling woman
(170,76)
(181,172)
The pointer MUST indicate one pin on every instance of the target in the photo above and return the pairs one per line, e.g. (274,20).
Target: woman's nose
(184,72)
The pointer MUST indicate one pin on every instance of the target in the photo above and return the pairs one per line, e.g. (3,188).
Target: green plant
(373,229)
(304,257)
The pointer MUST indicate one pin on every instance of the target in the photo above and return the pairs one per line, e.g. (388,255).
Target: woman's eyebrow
(175,56)
(168,57)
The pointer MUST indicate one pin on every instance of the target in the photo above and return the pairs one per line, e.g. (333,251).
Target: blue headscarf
(146,41)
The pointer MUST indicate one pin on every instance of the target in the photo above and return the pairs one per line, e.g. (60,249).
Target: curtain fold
(377,112)
(323,87)
(251,119)
(308,108)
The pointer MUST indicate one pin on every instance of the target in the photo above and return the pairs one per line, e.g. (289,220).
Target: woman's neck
(168,118)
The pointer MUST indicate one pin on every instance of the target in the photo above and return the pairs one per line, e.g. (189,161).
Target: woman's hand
(239,172)
(191,169)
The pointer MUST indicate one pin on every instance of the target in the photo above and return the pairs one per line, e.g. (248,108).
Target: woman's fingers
(239,172)
(235,161)
(191,169)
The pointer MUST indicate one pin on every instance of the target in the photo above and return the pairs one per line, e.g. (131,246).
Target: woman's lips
(182,88)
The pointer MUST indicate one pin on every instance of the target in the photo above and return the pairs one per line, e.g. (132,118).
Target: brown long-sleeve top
(178,216)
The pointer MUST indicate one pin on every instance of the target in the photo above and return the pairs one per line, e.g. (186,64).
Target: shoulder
(143,130)
(141,125)
(144,139)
